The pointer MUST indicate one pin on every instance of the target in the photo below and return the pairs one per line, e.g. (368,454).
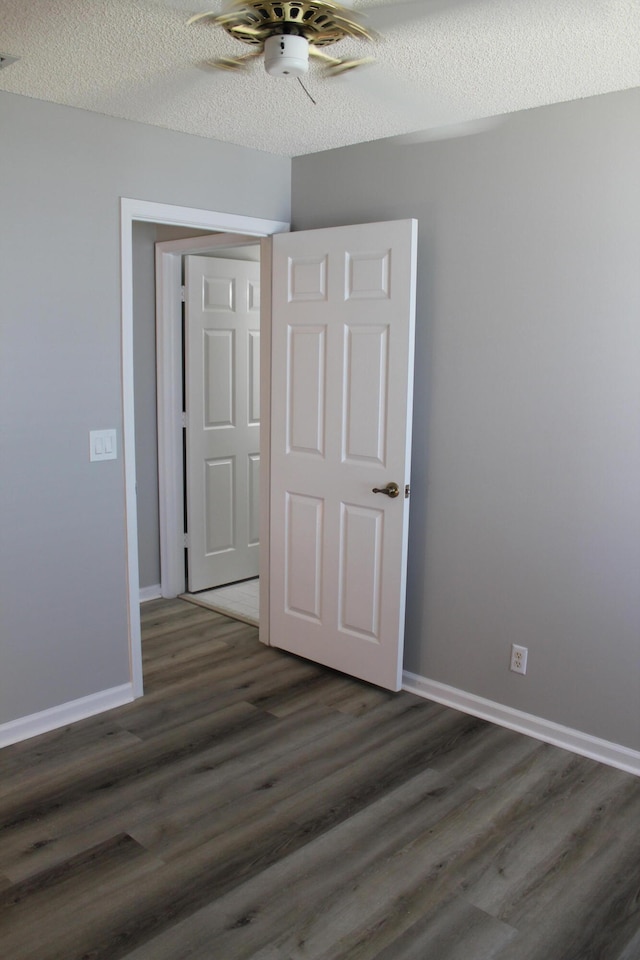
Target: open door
(343,317)
(222,393)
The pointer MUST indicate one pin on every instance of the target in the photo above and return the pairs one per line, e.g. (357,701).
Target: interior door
(222,395)
(343,316)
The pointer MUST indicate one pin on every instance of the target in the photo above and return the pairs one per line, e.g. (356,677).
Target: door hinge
(185,541)
(184,419)
(183,294)
(407,491)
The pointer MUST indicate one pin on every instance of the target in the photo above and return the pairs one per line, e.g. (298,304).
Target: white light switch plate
(103,445)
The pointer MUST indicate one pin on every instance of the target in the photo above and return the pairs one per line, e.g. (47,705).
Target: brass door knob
(391,490)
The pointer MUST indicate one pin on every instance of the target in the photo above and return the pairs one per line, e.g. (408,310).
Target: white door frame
(163,213)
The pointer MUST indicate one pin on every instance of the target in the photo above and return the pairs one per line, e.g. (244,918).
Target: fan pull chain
(307,92)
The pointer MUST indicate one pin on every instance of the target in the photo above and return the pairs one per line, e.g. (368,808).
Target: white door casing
(169,386)
(343,318)
(222,378)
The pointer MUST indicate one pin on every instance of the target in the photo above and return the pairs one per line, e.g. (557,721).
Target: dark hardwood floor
(254,805)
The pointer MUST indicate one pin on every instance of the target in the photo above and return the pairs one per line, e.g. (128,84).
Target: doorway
(175,456)
(355,613)
(222,405)
(222,426)
(238,601)
(222,422)
(170,395)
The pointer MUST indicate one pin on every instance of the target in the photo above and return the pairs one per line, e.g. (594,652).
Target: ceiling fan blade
(386,16)
(205,15)
(379,17)
(333,66)
(233,63)
(344,66)
(220,19)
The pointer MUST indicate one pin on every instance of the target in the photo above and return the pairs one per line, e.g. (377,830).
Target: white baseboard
(66,713)
(613,754)
(150,593)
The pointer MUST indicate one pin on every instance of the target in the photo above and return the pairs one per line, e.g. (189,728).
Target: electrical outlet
(518,659)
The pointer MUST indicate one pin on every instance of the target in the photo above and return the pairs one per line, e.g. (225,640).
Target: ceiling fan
(289,32)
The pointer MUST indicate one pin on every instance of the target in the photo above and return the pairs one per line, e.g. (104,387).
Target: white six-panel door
(222,394)
(342,382)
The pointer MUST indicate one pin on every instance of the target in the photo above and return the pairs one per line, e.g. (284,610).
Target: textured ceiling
(138,59)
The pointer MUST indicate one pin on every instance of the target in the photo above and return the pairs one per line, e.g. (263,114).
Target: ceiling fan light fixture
(286,55)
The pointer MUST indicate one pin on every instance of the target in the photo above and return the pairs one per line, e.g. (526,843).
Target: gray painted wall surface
(525,521)
(63,627)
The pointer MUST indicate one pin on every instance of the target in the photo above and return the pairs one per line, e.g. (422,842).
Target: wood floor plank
(417,879)
(632,949)
(30,910)
(219,686)
(327,779)
(220,864)
(288,898)
(65,745)
(456,930)
(254,806)
(321,687)
(356,697)
(532,848)
(48,831)
(162,630)
(240,670)
(133,761)
(586,903)
(210,807)
(165,802)
(200,651)
(217,633)
(488,755)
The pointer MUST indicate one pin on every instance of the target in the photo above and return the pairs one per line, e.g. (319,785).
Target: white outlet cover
(518,659)
(103,445)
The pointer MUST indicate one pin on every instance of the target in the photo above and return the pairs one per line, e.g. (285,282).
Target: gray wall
(525,519)
(63,628)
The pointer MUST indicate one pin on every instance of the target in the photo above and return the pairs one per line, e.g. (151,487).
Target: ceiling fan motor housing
(286,55)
